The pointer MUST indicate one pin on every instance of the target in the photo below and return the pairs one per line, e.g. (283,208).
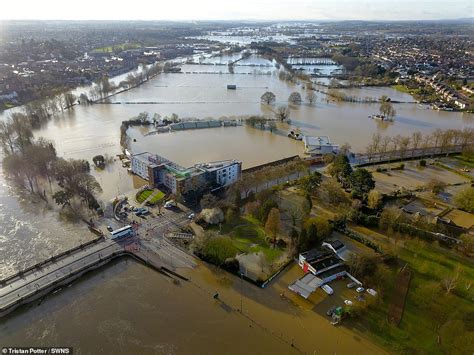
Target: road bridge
(148,245)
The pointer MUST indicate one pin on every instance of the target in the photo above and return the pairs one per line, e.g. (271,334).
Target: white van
(327,289)
(170,203)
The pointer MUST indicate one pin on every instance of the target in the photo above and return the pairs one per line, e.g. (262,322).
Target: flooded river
(126,306)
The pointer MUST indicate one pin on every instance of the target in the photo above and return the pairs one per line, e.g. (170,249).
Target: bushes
(422,163)
(361,239)
(218,250)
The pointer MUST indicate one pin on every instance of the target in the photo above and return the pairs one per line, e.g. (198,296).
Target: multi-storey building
(179,180)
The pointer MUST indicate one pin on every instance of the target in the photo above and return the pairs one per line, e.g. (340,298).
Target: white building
(319,145)
(161,171)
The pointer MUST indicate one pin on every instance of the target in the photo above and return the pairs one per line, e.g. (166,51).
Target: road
(149,244)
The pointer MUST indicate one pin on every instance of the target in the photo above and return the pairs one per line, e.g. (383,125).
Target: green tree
(340,169)
(464,199)
(310,183)
(362,182)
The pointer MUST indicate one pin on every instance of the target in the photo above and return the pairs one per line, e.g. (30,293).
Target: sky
(235,9)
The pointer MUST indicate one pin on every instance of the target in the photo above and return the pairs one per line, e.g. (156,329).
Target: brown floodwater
(126,306)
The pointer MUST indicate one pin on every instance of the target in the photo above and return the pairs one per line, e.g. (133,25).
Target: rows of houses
(444,91)
(159,171)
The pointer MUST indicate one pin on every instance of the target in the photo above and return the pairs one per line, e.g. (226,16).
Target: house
(319,145)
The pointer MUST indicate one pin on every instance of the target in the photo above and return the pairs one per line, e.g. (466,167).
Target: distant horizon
(242,20)
(245,10)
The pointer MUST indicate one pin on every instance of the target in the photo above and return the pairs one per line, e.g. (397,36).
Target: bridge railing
(51,259)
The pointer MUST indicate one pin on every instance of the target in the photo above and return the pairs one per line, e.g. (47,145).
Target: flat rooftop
(318,141)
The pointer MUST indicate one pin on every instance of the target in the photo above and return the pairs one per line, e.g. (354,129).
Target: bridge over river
(60,270)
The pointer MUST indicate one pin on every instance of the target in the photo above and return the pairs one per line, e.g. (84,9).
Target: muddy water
(148,310)
(127,308)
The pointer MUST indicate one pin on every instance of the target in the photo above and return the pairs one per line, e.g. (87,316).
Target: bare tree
(282,113)
(268,98)
(295,98)
(415,141)
(449,283)
(311,97)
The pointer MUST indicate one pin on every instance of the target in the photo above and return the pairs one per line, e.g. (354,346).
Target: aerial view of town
(285,177)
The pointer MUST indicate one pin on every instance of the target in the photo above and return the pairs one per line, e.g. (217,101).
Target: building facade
(179,180)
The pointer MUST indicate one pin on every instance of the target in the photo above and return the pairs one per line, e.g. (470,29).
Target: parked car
(331,310)
(351,284)
(191,216)
(327,289)
(170,203)
(360,289)
(372,292)
(109,228)
(360,298)
(348,302)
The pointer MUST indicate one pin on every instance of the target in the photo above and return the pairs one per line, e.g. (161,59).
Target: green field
(401,88)
(428,306)
(248,236)
(143,195)
(117,47)
(465,160)
(157,196)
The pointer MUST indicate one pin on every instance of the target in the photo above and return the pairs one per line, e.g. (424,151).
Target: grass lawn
(248,236)
(419,328)
(142,196)
(467,161)
(158,195)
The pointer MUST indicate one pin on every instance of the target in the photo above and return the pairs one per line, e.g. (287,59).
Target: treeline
(252,180)
(339,96)
(31,162)
(104,88)
(437,142)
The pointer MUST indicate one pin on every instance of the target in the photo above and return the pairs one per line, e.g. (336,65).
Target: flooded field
(150,313)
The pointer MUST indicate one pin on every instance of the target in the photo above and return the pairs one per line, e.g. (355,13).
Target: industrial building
(179,180)
(321,266)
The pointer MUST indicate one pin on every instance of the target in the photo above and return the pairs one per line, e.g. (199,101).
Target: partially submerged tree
(295,98)
(282,113)
(268,98)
